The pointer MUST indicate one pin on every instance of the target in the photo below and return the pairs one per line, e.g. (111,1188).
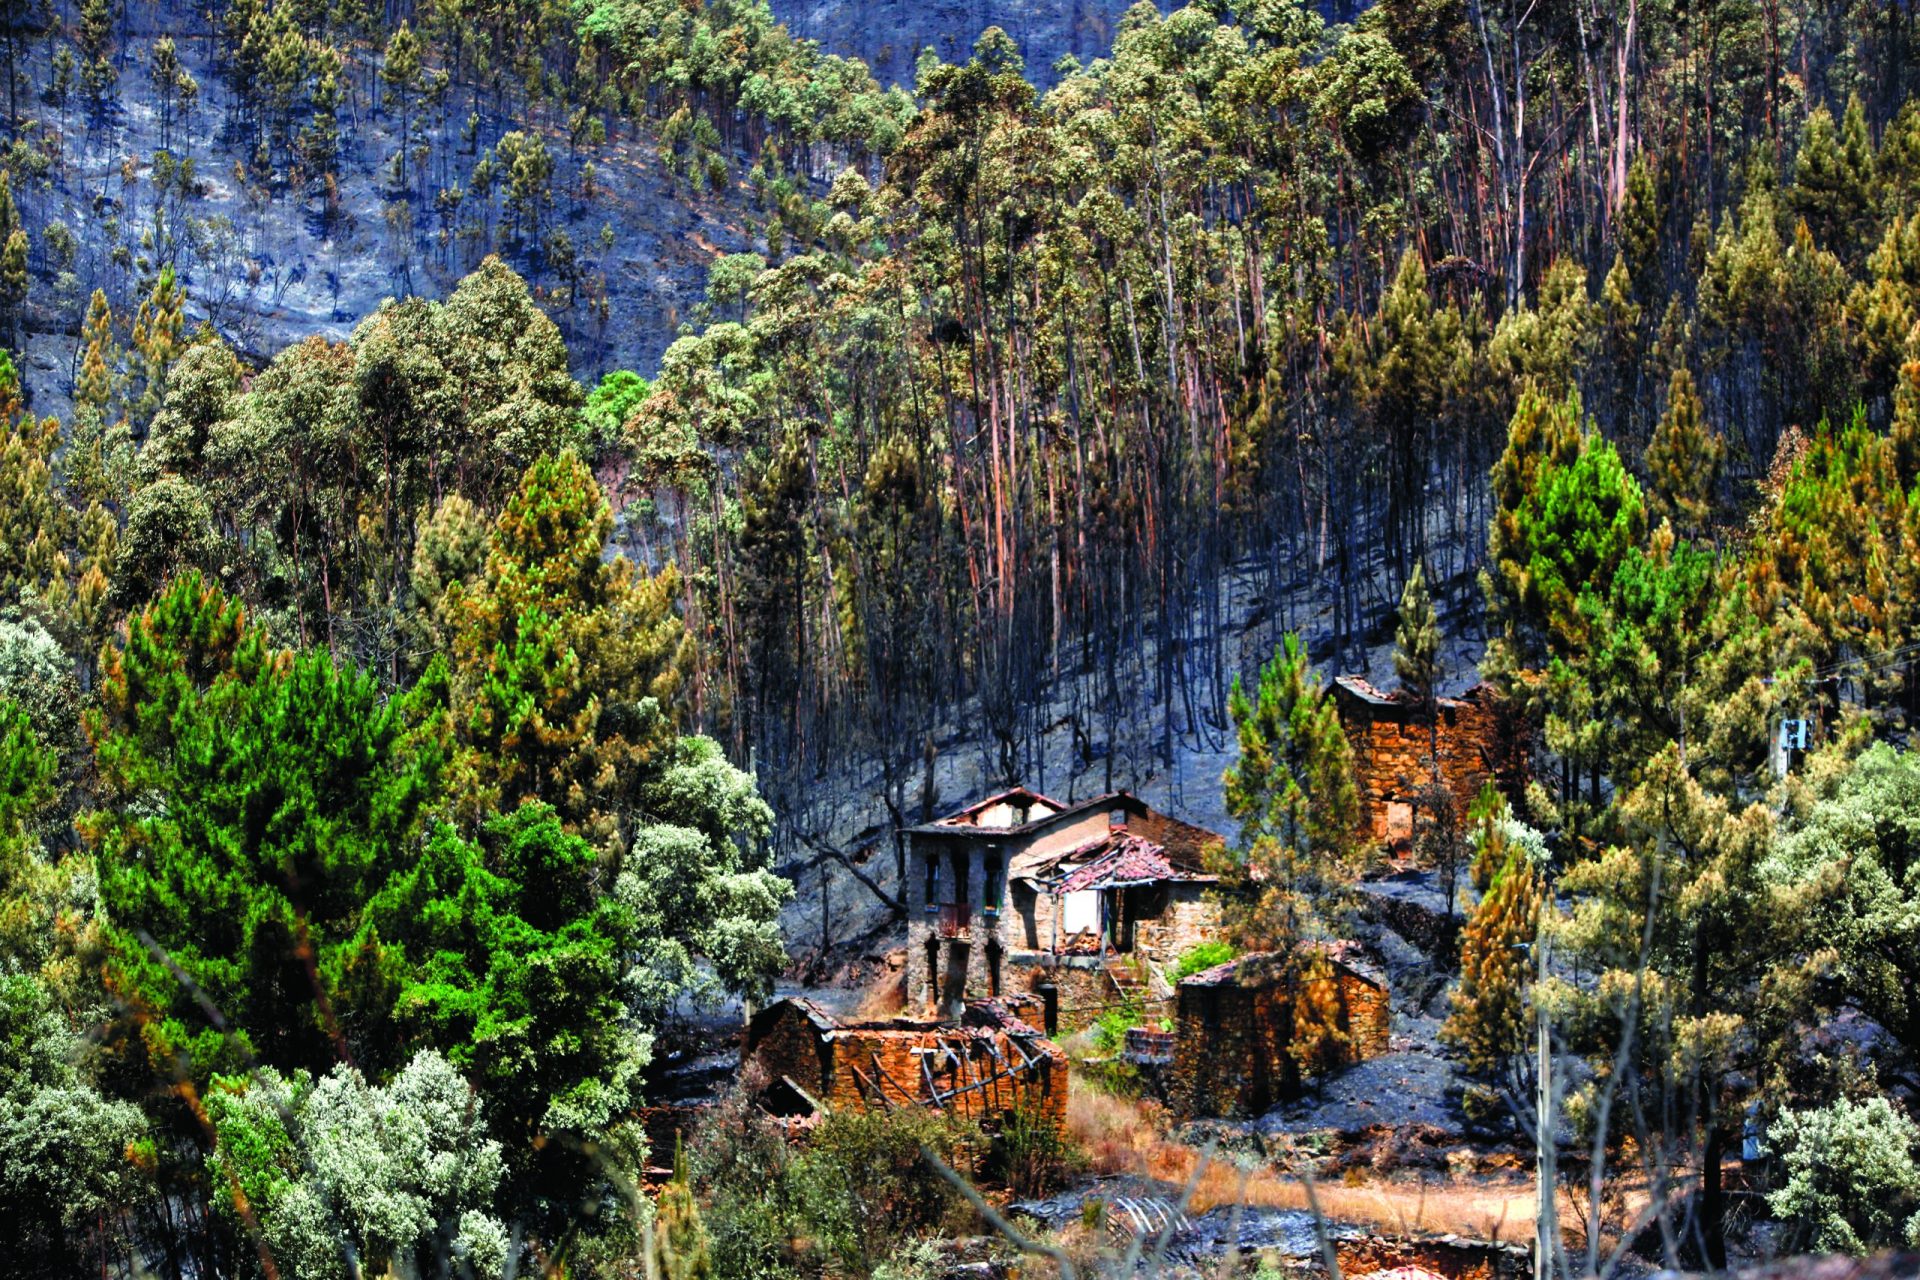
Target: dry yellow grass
(1121,1136)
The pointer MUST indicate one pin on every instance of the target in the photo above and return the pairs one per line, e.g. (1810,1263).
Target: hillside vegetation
(403,703)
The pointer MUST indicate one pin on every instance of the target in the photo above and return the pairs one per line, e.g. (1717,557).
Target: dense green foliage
(1852,1177)
(340,1175)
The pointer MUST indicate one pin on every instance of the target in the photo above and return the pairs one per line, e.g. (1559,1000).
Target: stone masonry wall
(1230,1043)
(1369,1014)
(1083,989)
(790,1045)
(1391,743)
(1191,918)
(843,1067)
(1230,1051)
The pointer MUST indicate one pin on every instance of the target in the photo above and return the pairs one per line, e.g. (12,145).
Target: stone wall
(852,1067)
(1230,1051)
(1190,918)
(1230,1042)
(1369,1015)
(1478,739)
(783,1041)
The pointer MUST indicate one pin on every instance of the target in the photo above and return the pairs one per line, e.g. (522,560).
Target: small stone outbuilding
(801,1061)
(1480,737)
(1234,1023)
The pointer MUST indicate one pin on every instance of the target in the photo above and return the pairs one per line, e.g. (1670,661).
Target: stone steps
(1128,983)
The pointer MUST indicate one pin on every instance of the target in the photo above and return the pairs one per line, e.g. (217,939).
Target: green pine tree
(1489,1023)
(1294,794)
(1416,650)
(1683,459)
(1833,182)
(14,282)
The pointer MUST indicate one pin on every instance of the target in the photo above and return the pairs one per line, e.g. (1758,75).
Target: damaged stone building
(1077,904)
(1479,738)
(800,1061)
(1234,1024)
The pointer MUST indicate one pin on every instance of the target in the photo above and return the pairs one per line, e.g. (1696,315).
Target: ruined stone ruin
(802,1062)
(1479,738)
(1234,1024)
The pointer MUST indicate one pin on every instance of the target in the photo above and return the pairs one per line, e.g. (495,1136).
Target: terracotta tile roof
(1363,688)
(1127,859)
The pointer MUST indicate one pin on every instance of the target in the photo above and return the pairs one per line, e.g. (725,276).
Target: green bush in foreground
(1851,1183)
(855,1194)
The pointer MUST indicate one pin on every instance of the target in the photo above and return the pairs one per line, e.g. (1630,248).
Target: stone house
(801,1062)
(1234,1023)
(1480,737)
(1077,903)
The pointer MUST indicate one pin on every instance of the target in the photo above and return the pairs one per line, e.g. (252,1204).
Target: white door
(1080,912)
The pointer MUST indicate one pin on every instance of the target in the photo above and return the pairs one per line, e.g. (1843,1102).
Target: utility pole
(1546,1216)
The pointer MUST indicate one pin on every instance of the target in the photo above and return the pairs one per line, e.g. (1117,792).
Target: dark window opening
(995,885)
(956,984)
(993,970)
(933,881)
(1050,1009)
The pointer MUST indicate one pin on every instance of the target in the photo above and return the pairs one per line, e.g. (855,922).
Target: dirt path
(1124,1137)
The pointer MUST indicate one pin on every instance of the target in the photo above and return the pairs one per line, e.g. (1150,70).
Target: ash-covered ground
(264,262)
